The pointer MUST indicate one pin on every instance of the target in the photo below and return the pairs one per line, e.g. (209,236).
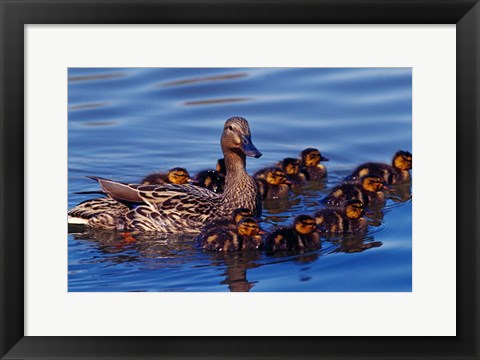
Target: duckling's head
(236,137)
(276,176)
(355,209)
(249,227)
(178,176)
(372,183)
(220,168)
(402,160)
(291,166)
(304,224)
(311,157)
(240,214)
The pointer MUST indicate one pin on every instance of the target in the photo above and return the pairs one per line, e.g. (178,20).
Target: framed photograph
(235,180)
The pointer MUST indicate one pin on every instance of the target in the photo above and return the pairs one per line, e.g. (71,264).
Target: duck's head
(178,176)
(304,224)
(372,183)
(220,168)
(355,209)
(402,160)
(240,214)
(291,166)
(276,176)
(249,227)
(236,137)
(311,157)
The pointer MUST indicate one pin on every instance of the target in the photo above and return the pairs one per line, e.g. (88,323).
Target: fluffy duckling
(291,167)
(211,180)
(311,167)
(345,220)
(220,167)
(176,175)
(368,190)
(231,223)
(299,236)
(397,173)
(274,184)
(245,236)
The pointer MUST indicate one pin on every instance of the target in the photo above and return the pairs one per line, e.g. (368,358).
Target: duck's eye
(230,128)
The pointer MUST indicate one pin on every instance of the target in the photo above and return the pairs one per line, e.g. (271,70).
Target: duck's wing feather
(167,208)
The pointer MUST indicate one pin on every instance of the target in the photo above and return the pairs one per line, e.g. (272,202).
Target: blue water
(126,123)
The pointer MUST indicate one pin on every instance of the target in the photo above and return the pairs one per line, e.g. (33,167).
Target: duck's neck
(235,163)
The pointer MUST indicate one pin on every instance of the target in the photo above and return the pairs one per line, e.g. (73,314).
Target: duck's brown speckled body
(186,208)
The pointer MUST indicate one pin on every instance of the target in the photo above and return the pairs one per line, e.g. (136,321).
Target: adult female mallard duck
(299,236)
(311,167)
(245,235)
(176,175)
(397,173)
(348,219)
(368,190)
(186,208)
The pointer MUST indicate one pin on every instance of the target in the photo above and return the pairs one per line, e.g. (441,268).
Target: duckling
(299,236)
(231,223)
(176,175)
(397,173)
(275,184)
(211,180)
(245,236)
(173,208)
(368,190)
(345,220)
(311,167)
(220,167)
(291,167)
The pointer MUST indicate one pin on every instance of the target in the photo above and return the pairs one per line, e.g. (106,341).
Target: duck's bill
(249,149)
(323,158)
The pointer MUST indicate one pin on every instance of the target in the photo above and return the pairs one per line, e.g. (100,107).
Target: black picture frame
(15,14)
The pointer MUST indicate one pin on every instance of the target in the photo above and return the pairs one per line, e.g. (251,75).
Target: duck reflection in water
(354,243)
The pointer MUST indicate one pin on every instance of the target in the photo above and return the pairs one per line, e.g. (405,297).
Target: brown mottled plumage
(186,208)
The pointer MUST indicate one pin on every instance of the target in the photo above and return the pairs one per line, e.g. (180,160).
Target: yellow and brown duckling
(247,235)
(291,167)
(397,173)
(213,180)
(231,223)
(301,235)
(368,190)
(176,175)
(273,183)
(348,219)
(311,166)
